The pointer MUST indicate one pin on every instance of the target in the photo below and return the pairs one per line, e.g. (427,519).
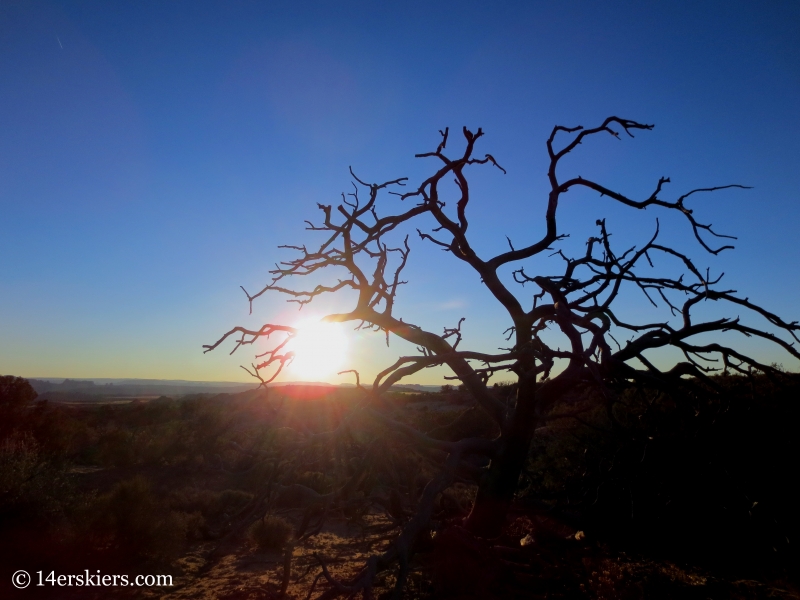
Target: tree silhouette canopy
(579,302)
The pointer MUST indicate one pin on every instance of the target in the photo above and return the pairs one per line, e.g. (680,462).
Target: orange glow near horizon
(320,350)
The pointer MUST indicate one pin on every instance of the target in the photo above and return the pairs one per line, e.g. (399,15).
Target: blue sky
(154,154)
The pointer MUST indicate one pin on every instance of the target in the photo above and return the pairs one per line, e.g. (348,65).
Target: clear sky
(154,154)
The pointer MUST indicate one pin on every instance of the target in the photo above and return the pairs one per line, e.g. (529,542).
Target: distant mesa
(55,388)
(72,384)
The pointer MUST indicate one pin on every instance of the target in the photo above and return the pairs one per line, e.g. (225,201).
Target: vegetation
(131,483)
(270,533)
(228,475)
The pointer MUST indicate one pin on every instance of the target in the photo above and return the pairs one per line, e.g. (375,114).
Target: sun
(320,350)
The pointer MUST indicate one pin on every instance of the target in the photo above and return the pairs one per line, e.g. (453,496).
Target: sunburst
(320,350)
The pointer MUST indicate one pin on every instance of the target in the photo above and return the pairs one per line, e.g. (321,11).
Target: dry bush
(141,524)
(232,501)
(456,500)
(190,499)
(208,503)
(115,448)
(270,533)
(31,486)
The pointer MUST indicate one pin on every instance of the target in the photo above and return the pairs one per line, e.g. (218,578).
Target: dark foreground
(178,487)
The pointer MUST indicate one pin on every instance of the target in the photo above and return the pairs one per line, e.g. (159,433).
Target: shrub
(131,506)
(232,501)
(31,486)
(270,533)
(210,504)
(142,525)
(191,499)
(115,449)
(16,395)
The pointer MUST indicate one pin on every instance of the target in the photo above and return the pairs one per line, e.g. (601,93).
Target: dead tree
(579,302)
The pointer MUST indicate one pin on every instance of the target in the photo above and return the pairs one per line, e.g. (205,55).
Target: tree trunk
(496,491)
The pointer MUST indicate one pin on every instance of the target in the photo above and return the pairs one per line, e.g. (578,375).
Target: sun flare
(320,350)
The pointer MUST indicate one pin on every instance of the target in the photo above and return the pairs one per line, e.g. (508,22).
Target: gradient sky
(154,154)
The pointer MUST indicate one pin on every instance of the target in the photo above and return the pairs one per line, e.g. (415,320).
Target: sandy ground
(244,572)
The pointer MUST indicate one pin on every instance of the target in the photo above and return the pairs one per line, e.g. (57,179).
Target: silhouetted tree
(16,396)
(578,302)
